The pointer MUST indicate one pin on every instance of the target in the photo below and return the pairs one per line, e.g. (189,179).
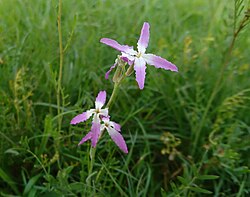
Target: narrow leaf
(200,190)
(6,178)
(207,177)
(182,180)
(30,184)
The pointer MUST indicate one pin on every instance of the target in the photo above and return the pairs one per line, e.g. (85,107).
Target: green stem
(113,95)
(92,161)
(59,81)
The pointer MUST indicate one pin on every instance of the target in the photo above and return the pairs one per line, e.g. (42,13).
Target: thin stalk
(59,81)
(92,161)
(113,95)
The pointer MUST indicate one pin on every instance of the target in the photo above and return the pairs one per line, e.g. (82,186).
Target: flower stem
(59,81)
(113,95)
(92,161)
(115,91)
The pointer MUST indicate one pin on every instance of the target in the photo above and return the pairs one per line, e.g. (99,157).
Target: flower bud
(120,61)
(130,70)
(118,74)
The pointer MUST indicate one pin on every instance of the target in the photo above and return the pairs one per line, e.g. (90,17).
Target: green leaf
(174,188)
(48,131)
(200,190)
(183,180)
(30,184)
(242,170)
(6,178)
(12,151)
(77,186)
(163,193)
(32,193)
(207,177)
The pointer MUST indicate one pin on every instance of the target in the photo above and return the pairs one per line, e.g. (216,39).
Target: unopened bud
(120,61)
(130,70)
(118,74)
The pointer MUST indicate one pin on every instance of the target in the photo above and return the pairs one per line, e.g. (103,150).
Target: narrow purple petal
(142,43)
(96,130)
(84,139)
(81,117)
(140,71)
(118,139)
(111,68)
(100,99)
(114,44)
(116,126)
(159,62)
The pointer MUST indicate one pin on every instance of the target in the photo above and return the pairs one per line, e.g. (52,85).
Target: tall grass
(197,117)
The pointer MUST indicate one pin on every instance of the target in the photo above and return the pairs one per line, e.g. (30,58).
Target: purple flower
(100,123)
(140,58)
(96,123)
(114,130)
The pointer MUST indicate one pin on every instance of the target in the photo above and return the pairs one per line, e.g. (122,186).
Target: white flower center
(139,54)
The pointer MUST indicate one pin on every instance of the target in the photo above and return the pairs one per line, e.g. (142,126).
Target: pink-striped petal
(117,46)
(159,62)
(84,139)
(111,68)
(81,117)
(140,71)
(142,43)
(96,130)
(118,139)
(115,125)
(100,99)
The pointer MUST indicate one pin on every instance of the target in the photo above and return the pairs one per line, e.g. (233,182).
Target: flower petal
(104,112)
(117,46)
(115,125)
(105,119)
(159,62)
(111,68)
(81,117)
(128,58)
(84,139)
(142,43)
(118,139)
(96,130)
(100,99)
(140,71)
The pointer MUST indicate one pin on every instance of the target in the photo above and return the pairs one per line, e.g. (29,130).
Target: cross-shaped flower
(96,123)
(114,130)
(140,58)
(100,122)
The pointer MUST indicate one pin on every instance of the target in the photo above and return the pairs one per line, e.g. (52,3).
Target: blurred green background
(188,132)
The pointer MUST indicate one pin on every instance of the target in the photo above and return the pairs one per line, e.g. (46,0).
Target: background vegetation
(188,133)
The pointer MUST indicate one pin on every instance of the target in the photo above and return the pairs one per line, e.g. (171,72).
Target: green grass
(205,106)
